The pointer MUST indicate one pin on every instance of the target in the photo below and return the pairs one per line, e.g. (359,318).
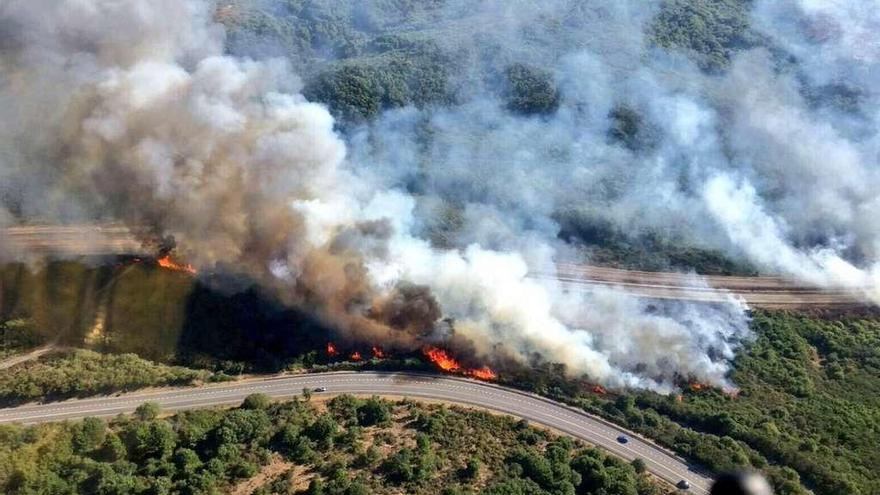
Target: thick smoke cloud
(771,161)
(131,110)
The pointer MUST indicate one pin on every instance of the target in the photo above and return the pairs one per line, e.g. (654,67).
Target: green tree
(88,435)
(352,92)
(708,30)
(112,449)
(373,411)
(530,91)
(639,465)
(154,439)
(316,487)
(147,411)
(322,431)
(187,461)
(471,470)
(256,401)
(399,467)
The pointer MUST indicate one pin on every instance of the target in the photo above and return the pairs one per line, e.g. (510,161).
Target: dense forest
(806,410)
(365,58)
(346,446)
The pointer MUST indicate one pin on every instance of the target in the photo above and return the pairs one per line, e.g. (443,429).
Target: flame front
(331,349)
(169,264)
(442,359)
(378,353)
(448,363)
(356,356)
(484,373)
(696,386)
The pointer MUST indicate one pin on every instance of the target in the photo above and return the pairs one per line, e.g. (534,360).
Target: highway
(535,409)
(757,292)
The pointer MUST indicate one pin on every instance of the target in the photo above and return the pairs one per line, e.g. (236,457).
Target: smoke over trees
(180,117)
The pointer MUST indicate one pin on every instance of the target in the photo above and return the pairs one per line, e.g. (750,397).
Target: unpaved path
(28,356)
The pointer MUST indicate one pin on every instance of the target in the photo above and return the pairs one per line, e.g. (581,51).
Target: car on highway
(623,439)
(321,389)
(683,484)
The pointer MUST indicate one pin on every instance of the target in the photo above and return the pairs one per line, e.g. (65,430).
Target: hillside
(344,446)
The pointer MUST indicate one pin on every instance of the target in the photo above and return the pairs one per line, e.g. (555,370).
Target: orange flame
(448,363)
(443,360)
(599,389)
(696,387)
(356,356)
(331,349)
(169,264)
(484,373)
(378,353)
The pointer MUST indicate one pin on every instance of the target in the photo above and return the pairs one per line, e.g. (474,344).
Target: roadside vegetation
(346,446)
(806,411)
(82,373)
(808,399)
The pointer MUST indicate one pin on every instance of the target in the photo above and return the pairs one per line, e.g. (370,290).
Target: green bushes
(407,74)
(530,91)
(353,93)
(211,451)
(707,30)
(84,373)
(805,412)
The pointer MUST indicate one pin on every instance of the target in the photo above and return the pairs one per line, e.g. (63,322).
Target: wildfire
(484,373)
(378,353)
(448,363)
(696,386)
(443,360)
(331,349)
(356,356)
(169,264)
(599,389)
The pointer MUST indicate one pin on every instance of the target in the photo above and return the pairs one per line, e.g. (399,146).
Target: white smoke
(805,168)
(131,110)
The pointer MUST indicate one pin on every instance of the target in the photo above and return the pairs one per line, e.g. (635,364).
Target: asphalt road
(452,389)
(759,292)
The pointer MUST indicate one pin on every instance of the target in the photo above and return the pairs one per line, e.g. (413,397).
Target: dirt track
(767,292)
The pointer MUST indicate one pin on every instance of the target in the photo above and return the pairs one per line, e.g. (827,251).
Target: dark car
(683,484)
(623,439)
(321,389)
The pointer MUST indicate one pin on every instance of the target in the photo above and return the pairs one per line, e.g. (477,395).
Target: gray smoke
(762,161)
(132,111)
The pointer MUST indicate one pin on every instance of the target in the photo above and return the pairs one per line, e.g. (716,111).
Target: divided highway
(759,292)
(450,389)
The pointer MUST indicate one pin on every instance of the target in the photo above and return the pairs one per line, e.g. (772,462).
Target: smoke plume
(135,111)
